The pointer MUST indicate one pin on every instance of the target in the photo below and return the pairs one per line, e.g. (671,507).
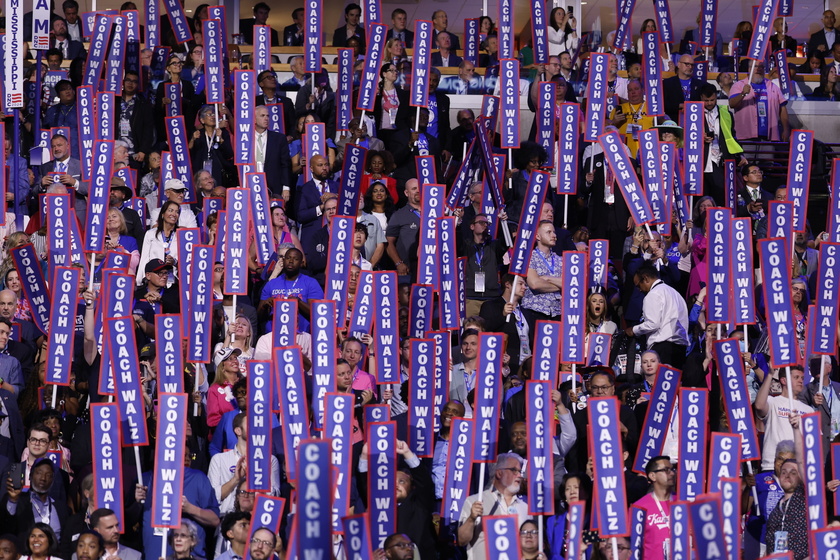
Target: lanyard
(416,212)
(550,267)
(44,515)
(167,241)
(659,505)
(479,255)
(784,511)
(286,283)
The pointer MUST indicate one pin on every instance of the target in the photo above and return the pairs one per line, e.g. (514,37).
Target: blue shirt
(305,287)
(439,464)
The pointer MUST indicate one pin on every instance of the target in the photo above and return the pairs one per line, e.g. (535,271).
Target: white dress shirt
(665,316)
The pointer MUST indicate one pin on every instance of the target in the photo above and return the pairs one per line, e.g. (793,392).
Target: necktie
(754,194)
(261,148)
(609,179)
(322,186)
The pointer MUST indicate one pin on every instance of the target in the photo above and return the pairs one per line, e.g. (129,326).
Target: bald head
(320,167)
(8,304)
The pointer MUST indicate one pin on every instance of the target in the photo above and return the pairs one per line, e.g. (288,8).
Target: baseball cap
(224,354)
(174,185)
(156,265)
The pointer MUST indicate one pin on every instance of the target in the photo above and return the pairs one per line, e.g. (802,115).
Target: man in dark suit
(139,113)
(11,446)
(445,55)
(69,49)
(64,114)
(19,508)
(351,28)
(272,155)
(317,246)
(67,171)
(320,100)
(17,350)
(754,198)
(825,38)
(681,88)
(439,22)
(408,143)
(311,195)
(246,26)
(608,216)
(293,35)
(267,81)
(824,399)
(398,30)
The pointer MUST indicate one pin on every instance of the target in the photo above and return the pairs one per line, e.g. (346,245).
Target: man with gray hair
(176,191)
(502,499)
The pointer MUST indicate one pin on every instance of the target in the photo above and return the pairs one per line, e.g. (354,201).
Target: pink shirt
(363,381)
(746,115)
(657,527)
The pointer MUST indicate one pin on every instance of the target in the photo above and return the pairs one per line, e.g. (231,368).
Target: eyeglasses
(245,493)
(403,545)
(666,469)
(175,63)
(162,273)
(512,469)
(600,388)
(531,533)
(39,441)
(482,222)
(257,542)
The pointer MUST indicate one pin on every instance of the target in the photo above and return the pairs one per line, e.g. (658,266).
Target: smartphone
(570,10)
(18,475)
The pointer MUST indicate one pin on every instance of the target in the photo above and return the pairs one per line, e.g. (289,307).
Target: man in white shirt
(230,468)
(176,190)
(71,17)
(665,317)
(502,499)
(774,411)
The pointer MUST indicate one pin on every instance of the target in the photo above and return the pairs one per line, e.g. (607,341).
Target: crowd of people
(651,306)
